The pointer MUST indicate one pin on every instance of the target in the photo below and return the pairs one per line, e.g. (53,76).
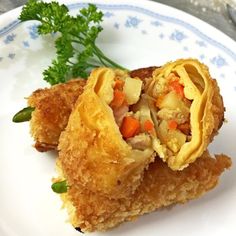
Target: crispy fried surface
(143,73)
(160,187)
(53,107)
(92,151)
(52,110)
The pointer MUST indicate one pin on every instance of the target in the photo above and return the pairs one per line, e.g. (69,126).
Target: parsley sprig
(77,52)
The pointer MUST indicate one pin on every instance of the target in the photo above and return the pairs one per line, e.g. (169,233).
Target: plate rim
(141,6)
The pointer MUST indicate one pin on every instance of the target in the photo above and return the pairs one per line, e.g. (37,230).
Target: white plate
(136,34)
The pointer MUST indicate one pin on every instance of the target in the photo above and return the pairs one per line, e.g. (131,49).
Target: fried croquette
(118,124)
(92,150)
(53,107)
(90,207)
(189,110)
(160,187)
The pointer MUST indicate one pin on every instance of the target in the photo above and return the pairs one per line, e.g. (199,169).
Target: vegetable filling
(132,113)
(171,111)
(160,120)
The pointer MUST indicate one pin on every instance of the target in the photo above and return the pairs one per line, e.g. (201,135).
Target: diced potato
(159,148)
(143,112)
(174,139)
(162,131)
(132,89)
(160,87)
(143,109)
(173,114)
(173,101)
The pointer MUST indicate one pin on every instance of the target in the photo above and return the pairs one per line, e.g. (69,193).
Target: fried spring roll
(160,187)
(94,149)
(187,110)
(120,123)
(52,110)
(54,105)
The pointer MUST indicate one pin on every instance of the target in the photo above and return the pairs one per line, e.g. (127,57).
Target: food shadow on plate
(52,154)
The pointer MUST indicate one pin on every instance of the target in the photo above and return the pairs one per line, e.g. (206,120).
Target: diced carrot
(177,87)
(159,100)
(129,127)
(119,84)
(185,128)
(148,126)
(118,99)
(172,124)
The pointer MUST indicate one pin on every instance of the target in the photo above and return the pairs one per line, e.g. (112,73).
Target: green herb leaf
(76,49)
(60,187)
(23,115)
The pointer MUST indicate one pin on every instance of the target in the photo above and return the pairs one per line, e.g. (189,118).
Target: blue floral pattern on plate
(201,43)
(156,23)
(11,55)
(116,25)
(132,22)
(178,36)
(219,61)
(33,31)
(9,38)
(156,20)
(108,14)
(26,44)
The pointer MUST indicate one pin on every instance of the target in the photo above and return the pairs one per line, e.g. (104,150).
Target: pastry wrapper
(93,152)
(206,110)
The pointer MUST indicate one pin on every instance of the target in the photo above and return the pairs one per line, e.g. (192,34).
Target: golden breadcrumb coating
(143,73)
(160,187)
(53,107)
(52,110)
(92,151)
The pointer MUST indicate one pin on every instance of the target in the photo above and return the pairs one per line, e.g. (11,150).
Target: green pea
(60,187)
(23,115)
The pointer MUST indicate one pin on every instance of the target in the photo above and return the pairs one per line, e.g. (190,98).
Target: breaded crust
(92,151)
(54,105)
(143,73)
(52,110)
(160,187)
